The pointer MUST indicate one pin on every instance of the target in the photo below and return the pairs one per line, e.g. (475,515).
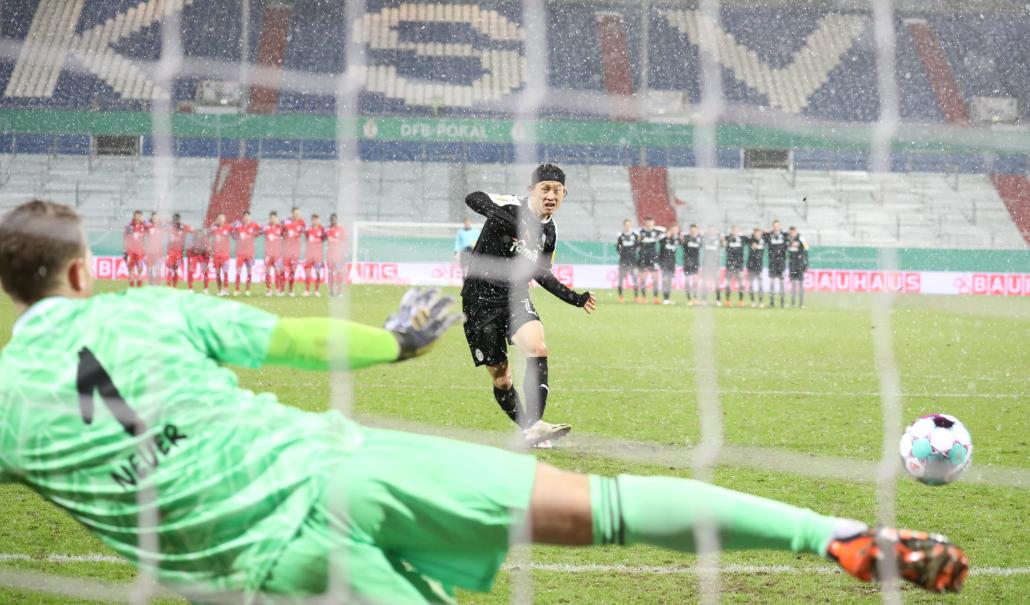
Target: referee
(464,241)
(517,245)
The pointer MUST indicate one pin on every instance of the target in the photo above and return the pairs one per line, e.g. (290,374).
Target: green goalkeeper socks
(662,511)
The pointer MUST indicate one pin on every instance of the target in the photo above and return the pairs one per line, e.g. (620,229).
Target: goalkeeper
(118,408)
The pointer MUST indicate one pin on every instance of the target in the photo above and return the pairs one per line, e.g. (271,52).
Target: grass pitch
(800,403)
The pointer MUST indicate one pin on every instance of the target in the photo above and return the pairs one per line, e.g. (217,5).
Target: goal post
(404,241)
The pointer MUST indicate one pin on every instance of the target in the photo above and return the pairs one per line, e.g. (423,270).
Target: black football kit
(514,247)
(626,245)
(776,243)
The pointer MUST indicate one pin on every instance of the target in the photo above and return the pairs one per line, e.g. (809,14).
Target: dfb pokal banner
(597,277)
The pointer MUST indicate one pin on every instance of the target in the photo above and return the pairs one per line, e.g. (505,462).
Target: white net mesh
(891,136)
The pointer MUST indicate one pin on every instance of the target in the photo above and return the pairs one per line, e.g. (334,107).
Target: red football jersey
(273,240)
(177,238)
(133,238)
(315,235)
(155,241)
(292,232)
(245,235)
(200,243)
(337,238)
(221,240)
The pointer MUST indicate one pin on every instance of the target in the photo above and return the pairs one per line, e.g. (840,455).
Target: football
(936,449)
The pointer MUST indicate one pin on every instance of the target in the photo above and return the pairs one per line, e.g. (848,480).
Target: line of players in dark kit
(650,252)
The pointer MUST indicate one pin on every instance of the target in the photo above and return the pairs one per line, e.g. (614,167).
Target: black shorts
(691,269)
(489,328)
(797,272)
(668,268)
(647,264)
(776,269)
(754,271)
(734,268)
(628,265)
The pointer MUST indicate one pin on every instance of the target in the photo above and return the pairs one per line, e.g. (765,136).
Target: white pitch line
(4,557)
(579,389)
(736,568)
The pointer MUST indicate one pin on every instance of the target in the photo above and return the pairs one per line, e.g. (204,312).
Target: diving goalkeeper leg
(573,509)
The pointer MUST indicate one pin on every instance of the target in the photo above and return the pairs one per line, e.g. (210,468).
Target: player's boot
(544,431)
(622,299)
(929,561)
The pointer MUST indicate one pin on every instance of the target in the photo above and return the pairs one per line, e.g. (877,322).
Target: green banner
(555,132)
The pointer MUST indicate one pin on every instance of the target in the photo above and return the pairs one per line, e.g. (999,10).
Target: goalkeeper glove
(420,320)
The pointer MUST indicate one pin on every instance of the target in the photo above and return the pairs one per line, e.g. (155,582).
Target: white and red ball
(936,449)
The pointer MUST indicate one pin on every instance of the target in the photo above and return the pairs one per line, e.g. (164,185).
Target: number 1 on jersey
(92,377)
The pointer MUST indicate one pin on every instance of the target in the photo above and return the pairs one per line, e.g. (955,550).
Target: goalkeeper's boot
(541,431)
(929,561)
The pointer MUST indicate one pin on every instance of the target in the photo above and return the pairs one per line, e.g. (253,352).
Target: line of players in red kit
(193,253)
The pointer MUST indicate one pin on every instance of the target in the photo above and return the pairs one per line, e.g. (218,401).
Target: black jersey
(691,253)
(777,244)
(735,252)
(755,253)
(626,245)
(797,254)
(667,246)
(648,242)
(513,247)
(712,244)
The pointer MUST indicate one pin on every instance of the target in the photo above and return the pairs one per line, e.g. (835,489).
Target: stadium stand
(843,208)
(810,60)
(448,60)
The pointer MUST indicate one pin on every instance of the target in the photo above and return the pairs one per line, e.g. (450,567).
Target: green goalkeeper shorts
(407,519)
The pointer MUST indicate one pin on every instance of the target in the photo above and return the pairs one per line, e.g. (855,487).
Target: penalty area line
(729,568)
(571,568)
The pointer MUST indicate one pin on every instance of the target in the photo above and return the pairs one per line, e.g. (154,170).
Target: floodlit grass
(799,381)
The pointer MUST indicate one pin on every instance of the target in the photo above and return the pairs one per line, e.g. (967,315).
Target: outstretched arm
(321,343)
(549,282)
(245,336)
(491,205)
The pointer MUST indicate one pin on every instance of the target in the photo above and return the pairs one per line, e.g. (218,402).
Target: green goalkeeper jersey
(117,408)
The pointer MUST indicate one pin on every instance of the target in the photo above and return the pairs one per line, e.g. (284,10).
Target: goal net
(892,135)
